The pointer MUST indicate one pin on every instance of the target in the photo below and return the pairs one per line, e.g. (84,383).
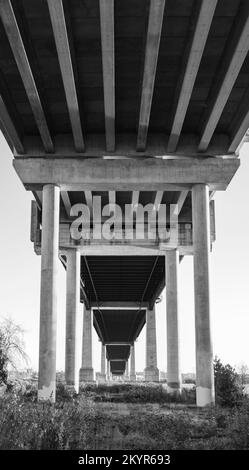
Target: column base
(47,393)
(100,378)
(151,374)
(204,396)
(174,388)
(133,378)
(71,389)
(86,374)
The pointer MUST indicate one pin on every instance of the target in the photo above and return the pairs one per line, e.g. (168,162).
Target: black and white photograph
(124,273)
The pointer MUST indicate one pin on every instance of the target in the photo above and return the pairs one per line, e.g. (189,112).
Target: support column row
(48,307)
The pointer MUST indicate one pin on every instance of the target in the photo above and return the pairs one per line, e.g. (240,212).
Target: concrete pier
(49,292)
(151,372)
(103,362)
(132,364)
(108,370)
(72,307)
(86,370)
(201,240)
(173,365)
(126,374)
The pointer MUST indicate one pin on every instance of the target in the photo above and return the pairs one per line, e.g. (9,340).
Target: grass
(84,422)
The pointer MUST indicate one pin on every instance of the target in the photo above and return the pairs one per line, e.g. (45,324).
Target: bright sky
(20,277)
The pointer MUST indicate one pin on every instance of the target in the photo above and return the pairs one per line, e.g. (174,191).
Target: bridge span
(109,104)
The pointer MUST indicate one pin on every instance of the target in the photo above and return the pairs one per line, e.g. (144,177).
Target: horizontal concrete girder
(121,250)
(119,305)
(118,343)
(151,174)
(115,246)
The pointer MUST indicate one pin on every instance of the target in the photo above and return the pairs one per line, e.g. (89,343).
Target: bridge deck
(177,79)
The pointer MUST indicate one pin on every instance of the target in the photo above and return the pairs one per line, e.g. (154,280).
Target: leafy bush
(228,391)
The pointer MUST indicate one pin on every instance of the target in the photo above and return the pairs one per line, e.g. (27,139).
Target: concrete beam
(117,360)
(122,250)
(181,199)
(119,305)
(9,129)
(66,202)
(200,35)
(108,63)
(125,147)
(103,248)
(158,200)
(112,198)
(239,125)
(151,174)
(228,72)
(21,55)
(58,20)
(155,22)
(134,202)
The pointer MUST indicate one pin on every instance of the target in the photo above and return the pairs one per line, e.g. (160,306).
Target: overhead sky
(20,277)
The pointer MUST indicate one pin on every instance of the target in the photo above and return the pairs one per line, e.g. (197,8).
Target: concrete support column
(103,361)
(132,364)
(201,241)
(126,374)
(72,306)
(108,370)
(151,372)
(86,370)
(49,291)
(173,365)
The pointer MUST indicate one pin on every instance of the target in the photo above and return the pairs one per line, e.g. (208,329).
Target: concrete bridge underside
(134,102)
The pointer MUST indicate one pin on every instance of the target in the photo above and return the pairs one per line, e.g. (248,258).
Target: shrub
(228,391)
